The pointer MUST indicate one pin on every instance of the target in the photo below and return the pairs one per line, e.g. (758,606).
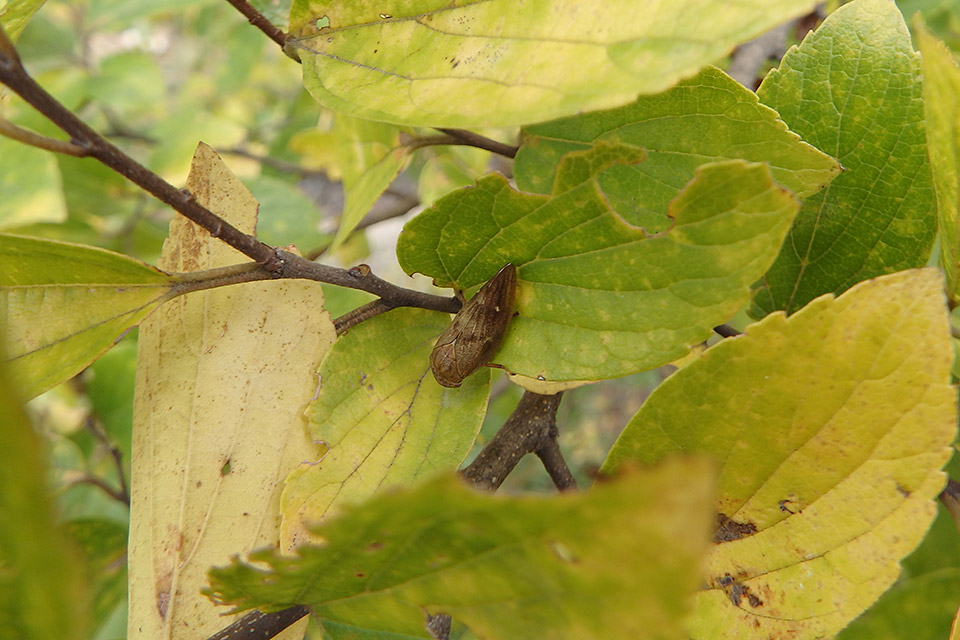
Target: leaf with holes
(596,296)
(832,427)
(618,561)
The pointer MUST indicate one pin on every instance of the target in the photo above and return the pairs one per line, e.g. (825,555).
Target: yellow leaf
(223,377)
(832,426)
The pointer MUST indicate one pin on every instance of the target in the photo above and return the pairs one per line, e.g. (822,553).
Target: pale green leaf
(382,416)
(707,118)
(618,561)
(853,90)
(369,156)
(941,96)
(598,298)
(42,595)
(832,427)
(31,186)
(467,64)
(62,305)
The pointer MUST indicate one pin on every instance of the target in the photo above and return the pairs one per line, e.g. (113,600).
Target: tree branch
(256,18)
(273,262)
(530,428)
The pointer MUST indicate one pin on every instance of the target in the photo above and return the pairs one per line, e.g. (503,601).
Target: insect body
(476,331)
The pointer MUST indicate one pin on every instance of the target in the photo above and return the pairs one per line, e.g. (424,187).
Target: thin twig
(553,461)
(257,19)
(482,142)
(117,494)
(12,131)
(123,493)
(352,318)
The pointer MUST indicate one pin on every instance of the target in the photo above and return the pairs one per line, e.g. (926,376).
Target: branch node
(359,271)
(276,264)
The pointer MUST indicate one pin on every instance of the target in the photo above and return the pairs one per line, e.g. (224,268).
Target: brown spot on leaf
(728,530)
(737,591)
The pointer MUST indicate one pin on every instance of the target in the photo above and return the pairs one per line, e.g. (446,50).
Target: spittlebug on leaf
(476,331)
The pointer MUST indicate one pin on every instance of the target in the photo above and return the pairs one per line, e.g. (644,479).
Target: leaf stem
(33,139)
(474,139)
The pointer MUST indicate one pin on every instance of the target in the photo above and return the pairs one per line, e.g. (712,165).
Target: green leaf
(597,297)
(31,186)
(62,305)
(437,63)
(382,416)
(832,427)
(708,118)
(853,90)
(941,95)
(42,595)
(15,15)
(104,546)
(369,155)
(286,215)
(616,562)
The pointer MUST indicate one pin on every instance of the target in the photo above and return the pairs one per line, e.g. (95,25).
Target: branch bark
(531,427)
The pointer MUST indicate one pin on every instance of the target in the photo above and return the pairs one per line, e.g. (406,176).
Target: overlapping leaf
(707,118)
(42,595)
(369,156)
(941,96)
(597,297)
(853,90)
(464,64)
(223,377)
(62,305)
(382,416)
(832,427)
(618,561)
(15,15)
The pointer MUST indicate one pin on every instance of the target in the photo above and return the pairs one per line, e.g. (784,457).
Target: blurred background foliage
(158,76)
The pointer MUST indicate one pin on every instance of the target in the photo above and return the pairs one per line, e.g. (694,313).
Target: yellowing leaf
(382,416)
(832,427)
(941,98)
(223,377)
(62,305)
(500,62)
(618,561)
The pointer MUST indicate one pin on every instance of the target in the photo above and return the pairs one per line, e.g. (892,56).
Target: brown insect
(477,331)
